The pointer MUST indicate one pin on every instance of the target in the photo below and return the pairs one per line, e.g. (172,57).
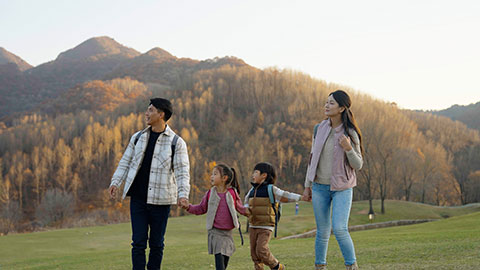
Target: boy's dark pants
(145,216)
(259,249)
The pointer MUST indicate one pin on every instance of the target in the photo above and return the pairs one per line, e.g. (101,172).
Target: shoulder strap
(270,194)
(137,137)
(233,193)
(315,128)
(174,145)
(274,206)
(208,195)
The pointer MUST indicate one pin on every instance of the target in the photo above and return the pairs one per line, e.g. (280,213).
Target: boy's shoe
(320,267)
(354,266)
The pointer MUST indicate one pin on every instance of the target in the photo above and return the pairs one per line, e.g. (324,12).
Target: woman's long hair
(348,120)
(232,180)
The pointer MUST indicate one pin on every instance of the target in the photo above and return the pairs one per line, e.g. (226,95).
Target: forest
(56,161)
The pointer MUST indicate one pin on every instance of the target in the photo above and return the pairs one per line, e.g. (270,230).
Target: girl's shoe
(320,267)
(352,267)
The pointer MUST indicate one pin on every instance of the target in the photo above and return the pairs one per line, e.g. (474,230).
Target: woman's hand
(344,142)
(307,194)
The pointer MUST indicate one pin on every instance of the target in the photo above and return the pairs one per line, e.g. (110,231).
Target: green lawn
(452,243)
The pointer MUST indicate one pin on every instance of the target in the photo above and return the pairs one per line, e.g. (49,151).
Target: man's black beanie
(163,104)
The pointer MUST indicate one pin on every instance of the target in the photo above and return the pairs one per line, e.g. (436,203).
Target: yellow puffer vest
(262,210)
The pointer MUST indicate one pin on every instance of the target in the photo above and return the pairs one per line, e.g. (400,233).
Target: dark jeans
(144,217)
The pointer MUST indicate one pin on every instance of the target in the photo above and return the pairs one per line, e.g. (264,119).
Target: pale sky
(420,54)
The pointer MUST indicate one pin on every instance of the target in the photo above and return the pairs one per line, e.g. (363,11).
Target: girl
(331,177)
(220,203)
(262,219)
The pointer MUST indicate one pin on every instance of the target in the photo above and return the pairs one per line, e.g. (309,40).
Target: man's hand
(183,202)
(113,192)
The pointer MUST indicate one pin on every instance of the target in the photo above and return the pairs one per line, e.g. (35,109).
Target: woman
(335,155)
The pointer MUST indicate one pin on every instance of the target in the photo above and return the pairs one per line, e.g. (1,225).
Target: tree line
(237,115)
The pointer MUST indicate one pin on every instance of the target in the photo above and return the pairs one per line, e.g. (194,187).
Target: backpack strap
(315,128)
(235,197)
(208,195)
(174,145)
(233,193)
(137,137)
(272,201)
(270,194)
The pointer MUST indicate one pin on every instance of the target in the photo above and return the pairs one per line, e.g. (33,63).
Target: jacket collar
(168,131)
(255,185)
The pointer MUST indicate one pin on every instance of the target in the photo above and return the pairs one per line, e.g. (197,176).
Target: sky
(420,54)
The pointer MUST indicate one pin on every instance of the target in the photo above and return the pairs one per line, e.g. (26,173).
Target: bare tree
(56,205)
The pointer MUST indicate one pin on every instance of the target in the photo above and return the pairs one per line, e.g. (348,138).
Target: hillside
(469,114)
(8,57)
(434,245)
(95,96)
(226,111)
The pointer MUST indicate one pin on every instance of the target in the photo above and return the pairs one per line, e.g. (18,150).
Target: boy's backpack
(234,196)
(174,144)
(277,206)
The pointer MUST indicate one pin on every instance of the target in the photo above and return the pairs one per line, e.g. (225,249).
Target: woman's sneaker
(352,267)
(320,267)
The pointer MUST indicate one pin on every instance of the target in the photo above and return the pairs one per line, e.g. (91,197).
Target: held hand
(113,192)
(186,205)
(344,142)
(248,212)
(307,194)
(183,202)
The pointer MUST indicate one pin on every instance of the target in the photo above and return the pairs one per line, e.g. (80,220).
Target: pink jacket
(343,176)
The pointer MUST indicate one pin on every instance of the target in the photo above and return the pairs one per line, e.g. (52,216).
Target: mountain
(98,48)
(8,57)
(98,58)
(90,60)
(159,66)
(469,114)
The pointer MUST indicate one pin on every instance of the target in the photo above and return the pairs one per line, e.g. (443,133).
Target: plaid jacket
(164,185)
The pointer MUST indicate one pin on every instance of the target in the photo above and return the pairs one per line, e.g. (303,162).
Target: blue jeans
(332,207)
(145,216)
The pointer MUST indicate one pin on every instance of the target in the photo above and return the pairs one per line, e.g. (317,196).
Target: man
(153,180)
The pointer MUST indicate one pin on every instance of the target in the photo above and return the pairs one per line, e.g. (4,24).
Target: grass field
(452,243)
